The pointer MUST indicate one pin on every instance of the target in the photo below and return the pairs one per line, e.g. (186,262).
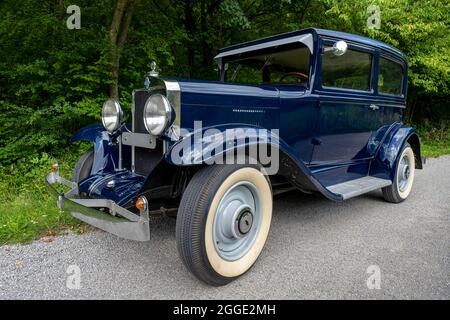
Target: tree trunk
(118,34)
(305,8)
(189,24)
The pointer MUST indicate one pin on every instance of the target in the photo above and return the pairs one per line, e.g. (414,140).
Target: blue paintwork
(200,142)
(385,162)
(217,100)
(106,153)
(349,133)
(88,133)
(207,144)
(127,186)
(106,150)
(105,167)
(326,135)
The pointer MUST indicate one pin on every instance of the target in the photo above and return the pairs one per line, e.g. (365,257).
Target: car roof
(320,32)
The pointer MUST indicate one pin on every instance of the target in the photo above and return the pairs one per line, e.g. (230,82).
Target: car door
(390,95)
(298,115)
(347,115)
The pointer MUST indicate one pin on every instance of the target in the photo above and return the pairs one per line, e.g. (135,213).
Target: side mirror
(340,48)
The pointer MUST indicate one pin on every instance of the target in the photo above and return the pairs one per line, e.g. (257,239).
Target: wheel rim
(237,221)
(404,172)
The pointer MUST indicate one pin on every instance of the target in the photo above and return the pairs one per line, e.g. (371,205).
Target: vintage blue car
(316,110)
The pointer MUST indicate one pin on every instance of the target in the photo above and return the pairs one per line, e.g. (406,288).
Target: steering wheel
(295,74)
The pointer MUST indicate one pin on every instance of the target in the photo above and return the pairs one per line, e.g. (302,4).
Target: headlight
(111,115)
(157,114)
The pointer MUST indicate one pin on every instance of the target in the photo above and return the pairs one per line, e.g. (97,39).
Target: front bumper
(119,221)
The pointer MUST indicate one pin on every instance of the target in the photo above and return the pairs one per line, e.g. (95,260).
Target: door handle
(374,107)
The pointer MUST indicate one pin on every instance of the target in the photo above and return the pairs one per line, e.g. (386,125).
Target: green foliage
(235,16)
(27,211)
(435,138)
(54,80)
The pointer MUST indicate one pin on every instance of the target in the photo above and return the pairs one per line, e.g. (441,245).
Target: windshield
(289,66)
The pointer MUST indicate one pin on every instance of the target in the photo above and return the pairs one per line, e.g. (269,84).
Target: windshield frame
(268,51)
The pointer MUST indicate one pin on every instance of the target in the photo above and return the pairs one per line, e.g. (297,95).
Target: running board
(357,187)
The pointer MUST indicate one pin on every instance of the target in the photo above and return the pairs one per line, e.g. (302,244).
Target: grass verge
(435,140)
(27,212)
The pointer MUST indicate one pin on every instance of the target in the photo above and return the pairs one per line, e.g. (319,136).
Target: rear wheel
(223,221)
(84,166)
(404,177)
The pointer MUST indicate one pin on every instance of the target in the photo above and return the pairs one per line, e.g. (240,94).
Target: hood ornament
(152,73)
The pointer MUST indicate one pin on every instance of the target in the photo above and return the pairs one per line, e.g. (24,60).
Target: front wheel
(83,168)
(223,221)
(404,177)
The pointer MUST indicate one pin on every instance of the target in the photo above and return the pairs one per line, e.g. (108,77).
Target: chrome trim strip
(120,152)
(173,92)
(132,129)
(306,39)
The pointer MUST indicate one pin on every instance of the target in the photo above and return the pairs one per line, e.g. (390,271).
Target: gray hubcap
(404,173)
(245,222)
(237,221)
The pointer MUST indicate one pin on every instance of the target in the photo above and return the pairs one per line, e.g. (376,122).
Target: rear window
(390,78)
(350,71)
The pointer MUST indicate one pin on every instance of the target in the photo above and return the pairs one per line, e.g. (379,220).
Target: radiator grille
(145,159)
(140,97)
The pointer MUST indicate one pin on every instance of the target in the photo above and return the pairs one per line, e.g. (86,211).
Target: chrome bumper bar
(119,221)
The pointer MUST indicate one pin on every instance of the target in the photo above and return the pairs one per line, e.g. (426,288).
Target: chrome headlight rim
(115,111)
(164,109)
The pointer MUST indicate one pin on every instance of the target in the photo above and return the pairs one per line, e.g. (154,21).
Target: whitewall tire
(223,221)
(404,177)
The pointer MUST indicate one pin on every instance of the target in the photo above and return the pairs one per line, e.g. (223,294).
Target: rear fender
(385,160)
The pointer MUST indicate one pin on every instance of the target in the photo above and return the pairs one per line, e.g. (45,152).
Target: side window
(390,77)
(350,71)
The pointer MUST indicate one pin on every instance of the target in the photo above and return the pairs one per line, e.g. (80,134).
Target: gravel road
(316,249)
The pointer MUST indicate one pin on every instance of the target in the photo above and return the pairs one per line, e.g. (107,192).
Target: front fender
(106,153)
(88,133)
(215,144)
(385,160)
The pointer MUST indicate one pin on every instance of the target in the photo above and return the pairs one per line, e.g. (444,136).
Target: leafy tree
(54,80)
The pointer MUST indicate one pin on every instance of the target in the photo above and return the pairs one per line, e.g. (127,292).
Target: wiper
(238,67)
(268,61)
